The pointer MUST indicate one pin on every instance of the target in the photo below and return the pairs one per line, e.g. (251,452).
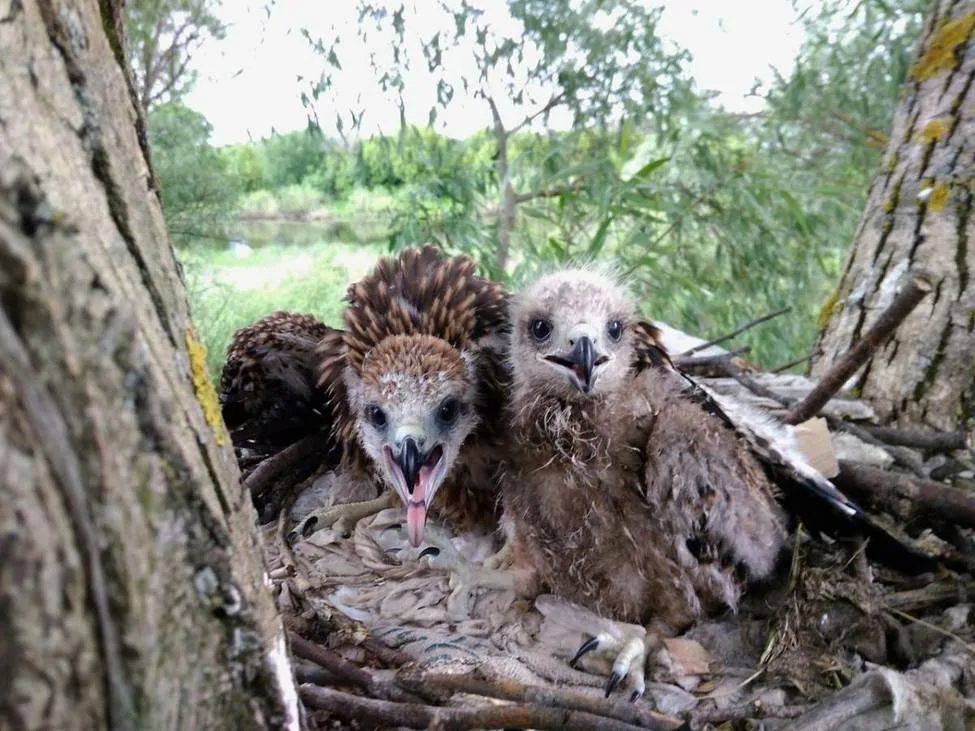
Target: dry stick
(275,466)
(934,441)
(900,456)
(703,360)
(413,715)
(351,673)
(833,381)
(321,624)
(738,331)
(512,690)
(745,712)
(793,363)
(946,502)
(930,595)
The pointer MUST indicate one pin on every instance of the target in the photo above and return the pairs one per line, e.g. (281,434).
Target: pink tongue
(416,510)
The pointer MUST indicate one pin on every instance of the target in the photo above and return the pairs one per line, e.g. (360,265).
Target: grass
(228,291)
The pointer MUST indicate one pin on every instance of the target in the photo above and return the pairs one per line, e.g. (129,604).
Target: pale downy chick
(633,493)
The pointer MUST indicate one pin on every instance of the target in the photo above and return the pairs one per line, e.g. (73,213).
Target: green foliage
(245,166)
(715,218)
(228,292)
(198,193)
(162,37)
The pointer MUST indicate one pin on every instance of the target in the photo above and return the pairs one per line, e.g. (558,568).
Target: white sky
(251,82)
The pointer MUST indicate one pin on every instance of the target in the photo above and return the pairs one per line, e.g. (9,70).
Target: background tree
(162,36)
(198,187)
(131,589)
(918,218)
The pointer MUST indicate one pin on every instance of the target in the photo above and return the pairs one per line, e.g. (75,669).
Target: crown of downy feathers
(418,293)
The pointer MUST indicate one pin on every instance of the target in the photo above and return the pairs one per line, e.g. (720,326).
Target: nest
(385,636)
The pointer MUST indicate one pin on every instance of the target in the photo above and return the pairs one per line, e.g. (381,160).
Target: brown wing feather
(268,393)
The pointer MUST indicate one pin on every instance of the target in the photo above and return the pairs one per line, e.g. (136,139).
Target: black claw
(613,681)
(635,696)
(588,646)
(308,527)
(429,551)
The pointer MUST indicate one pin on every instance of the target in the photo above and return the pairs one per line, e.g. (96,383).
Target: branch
(929,497)
(745,712)
(706,360)
(794,363)
(553,192)
(549,106)
(413,715)
(335,663)
(932,441)
(736,331)
(902,457)
(833,381)
(477,683)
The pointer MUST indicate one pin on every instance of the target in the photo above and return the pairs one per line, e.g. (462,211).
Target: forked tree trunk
(919,217)
(131,580)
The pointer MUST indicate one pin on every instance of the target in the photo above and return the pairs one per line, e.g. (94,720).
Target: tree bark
(132,593)
(918,218)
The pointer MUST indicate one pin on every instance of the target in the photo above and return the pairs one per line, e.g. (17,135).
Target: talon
(308,526)
(429,551)
(635,696)
(588,646)
(613,681)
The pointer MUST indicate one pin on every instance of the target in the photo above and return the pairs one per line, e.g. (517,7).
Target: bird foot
(343,518)
(629,657)
(501,558)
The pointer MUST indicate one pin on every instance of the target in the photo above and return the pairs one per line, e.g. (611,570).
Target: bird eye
(614,329)
(449,410)
(540,328)
(375,416)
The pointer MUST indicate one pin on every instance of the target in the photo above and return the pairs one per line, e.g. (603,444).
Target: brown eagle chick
(268,391)
(626,497)
(416,383)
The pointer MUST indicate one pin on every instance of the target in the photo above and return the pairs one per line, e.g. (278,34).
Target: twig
(335,663)
(934,441)
(940,630)
(320,625)
(885,488)
(506,689)
(793,363)
(901,456)
(903,304)
(737,331)
(273,467)
(706,360)
(930,595)
(745,712)
(414,715)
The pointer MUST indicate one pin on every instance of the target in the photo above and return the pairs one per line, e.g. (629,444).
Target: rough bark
(131,579)
(918,218)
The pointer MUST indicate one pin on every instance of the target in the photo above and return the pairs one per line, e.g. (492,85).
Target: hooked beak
(416,477)
(581,363)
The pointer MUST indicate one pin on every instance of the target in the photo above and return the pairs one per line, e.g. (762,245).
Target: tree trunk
(918,218)
(132,593)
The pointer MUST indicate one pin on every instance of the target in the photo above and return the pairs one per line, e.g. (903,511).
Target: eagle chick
(633,493)
(416,385)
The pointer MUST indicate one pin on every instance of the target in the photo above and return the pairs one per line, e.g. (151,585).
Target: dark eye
(614,328)
(540,328)
(375,416)
(448,410)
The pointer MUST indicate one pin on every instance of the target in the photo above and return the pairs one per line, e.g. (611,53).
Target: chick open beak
(417,475)
(581,363)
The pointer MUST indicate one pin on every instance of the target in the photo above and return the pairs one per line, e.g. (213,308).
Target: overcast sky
(251,82)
